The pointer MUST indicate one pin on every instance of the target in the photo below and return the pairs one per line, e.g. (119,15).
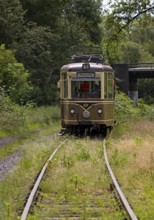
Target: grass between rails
(76,185)
(15,187)
(131,152)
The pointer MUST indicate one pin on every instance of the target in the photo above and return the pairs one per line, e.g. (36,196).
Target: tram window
(86,89)
(108,86)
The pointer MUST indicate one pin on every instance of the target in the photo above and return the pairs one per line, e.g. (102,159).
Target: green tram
(87,95)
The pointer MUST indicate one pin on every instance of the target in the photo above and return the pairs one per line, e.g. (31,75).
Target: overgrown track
(36,185)
(118,189)
(91,208)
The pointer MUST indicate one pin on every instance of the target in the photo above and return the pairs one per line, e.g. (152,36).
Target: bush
(146,111)
(12,115)
(14,79)
(125,108)
(44,115)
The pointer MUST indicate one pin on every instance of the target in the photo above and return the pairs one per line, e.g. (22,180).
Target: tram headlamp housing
(99,111)
(72,111)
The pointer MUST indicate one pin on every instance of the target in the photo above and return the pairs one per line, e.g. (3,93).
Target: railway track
(76,198)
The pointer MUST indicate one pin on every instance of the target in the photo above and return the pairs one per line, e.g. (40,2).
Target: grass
(45,118)
(33,118)
(15,187)
(35,147)
(77,175)
(42,116)
(15,145)
(132,157)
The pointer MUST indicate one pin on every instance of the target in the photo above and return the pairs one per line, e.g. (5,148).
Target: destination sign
(86,75)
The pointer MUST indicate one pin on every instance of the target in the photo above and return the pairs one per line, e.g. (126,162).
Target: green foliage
(11,21)
(121,128)
(125,108)
(129,26)
(52,28)
(90,12)
(43,13)
(118,158)
(16,118)
(129,52)
(42,116)
(12,115)
(83,154)
(68,161)
(146,111)
(13,77)
(146,90)
(36,51)
(41,32)
(138,140)
(66,13)
(77,180)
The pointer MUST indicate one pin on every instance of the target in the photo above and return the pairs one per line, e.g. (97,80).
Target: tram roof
(77,67)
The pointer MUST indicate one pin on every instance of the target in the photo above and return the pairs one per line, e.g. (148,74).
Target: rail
(33,192)
(119,191)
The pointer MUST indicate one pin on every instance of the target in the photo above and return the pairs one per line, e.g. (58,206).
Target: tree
(13,77)
(119,22)
(44,13)
(49,13)
(126,11)
(89,13)
(35,51)
(142,32)
(41,32)
(11,21)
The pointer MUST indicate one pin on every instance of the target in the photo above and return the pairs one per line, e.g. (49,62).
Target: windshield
(86,88)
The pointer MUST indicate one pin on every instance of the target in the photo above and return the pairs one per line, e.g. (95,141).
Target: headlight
(72,111)
(86,114)
(99,111)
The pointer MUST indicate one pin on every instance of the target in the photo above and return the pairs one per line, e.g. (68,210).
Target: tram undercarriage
(86,130)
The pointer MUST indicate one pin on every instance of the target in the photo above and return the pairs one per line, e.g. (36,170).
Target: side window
(65,86)
(109,85)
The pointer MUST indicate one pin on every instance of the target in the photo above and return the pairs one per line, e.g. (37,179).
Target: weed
(68,161)
(78,144)
(77,180)
(83,154)
(26,164)
(118,159)
(138,140)
(121,129)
